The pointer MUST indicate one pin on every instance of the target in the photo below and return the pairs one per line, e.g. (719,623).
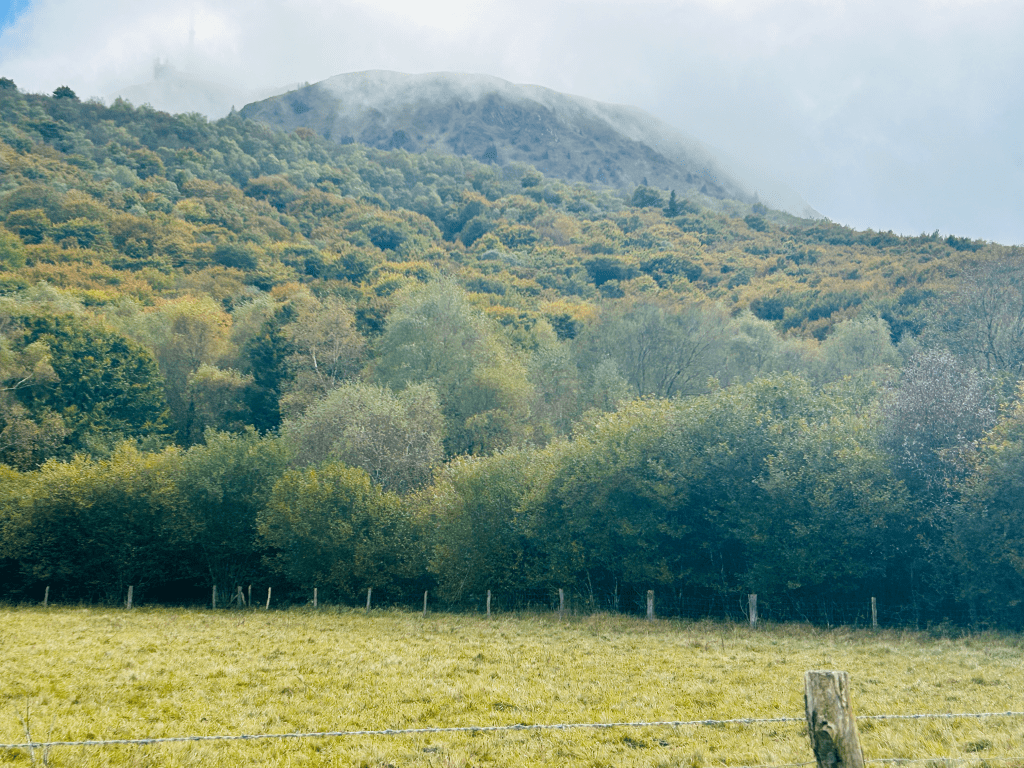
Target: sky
(897,114)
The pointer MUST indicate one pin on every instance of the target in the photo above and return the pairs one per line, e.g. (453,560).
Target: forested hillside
(227,351)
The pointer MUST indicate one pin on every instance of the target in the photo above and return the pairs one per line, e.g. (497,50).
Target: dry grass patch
(85,673)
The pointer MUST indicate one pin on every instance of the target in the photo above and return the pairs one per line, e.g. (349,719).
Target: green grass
(86,673)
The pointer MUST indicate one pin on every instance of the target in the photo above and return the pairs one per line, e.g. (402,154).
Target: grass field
(88,673)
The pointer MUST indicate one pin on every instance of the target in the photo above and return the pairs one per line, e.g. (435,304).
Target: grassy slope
(101,673)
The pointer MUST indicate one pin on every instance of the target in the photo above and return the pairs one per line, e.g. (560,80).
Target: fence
(736,607)
(829,719)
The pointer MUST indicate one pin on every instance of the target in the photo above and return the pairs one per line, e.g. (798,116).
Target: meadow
(73,673)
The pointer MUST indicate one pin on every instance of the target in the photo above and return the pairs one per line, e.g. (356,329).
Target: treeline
(775,487)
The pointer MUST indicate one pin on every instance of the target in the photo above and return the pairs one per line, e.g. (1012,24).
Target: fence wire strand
(519,727)
(961,759)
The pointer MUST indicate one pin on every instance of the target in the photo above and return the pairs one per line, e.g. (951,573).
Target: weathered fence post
(488,603)
(369,597)
(425,603)
(650,605)
(874,613)
(46,596)
(752,604)
(314,597)
(830,721)
(268,599)
(249,603)
(213,600)
(240,596)
(131,589)
(561,603)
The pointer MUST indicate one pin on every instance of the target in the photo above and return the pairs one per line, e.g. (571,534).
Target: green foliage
(222,486)
(395,439)
(988,523)
(646,197)
(90,528)
(105,388)
(64,92)
(434,336)
(332,527)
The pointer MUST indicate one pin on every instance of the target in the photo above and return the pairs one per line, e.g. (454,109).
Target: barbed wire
(410,731)
(951,759)
(941,715)
(501,728)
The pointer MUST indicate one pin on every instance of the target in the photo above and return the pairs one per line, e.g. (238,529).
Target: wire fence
(720,605)
(741,721)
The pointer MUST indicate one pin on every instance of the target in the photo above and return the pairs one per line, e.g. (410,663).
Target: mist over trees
(231,355)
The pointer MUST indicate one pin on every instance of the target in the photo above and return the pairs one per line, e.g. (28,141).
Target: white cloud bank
(902,115)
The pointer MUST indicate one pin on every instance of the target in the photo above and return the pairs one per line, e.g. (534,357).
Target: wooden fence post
(250,596)
(314,597)
(130,590)
(874,613)
(213,600)
(752,603)
(240,596)
(268,599)
(650,605)
(369,596)
(46,596)
(830,721)
(425,603)
(488,603)
(561,603)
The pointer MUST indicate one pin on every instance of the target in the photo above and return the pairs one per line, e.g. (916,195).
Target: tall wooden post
(874,613)
(561,603)
(650,605)
(830,721)
(240,596)
(488,603)
(131,589)
(46,596)
(250,596)
(752,604)
(268,599)
(425,603)
(213,600)
(314,597)
(369,597)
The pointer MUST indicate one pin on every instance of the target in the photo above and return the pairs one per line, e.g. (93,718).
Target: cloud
(880,114)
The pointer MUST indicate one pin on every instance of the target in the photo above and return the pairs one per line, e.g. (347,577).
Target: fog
(889,115)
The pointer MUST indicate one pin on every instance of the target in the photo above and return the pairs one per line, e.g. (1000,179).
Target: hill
(495,121)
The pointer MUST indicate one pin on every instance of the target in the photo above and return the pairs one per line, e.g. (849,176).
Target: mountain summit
(496,121)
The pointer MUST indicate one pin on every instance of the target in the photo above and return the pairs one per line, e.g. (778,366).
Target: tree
(480,539)
(434,336)
(222,486)
(64,92)
(646,197)
(933,419)
(91,528)
(988,524)
(186,334)
(662,348)
(266,358)
(395,439)
(328,350)
(982,320)
(105,389)
(862,348)
(331,527)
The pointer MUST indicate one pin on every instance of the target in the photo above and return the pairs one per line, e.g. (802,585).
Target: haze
(883,115)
